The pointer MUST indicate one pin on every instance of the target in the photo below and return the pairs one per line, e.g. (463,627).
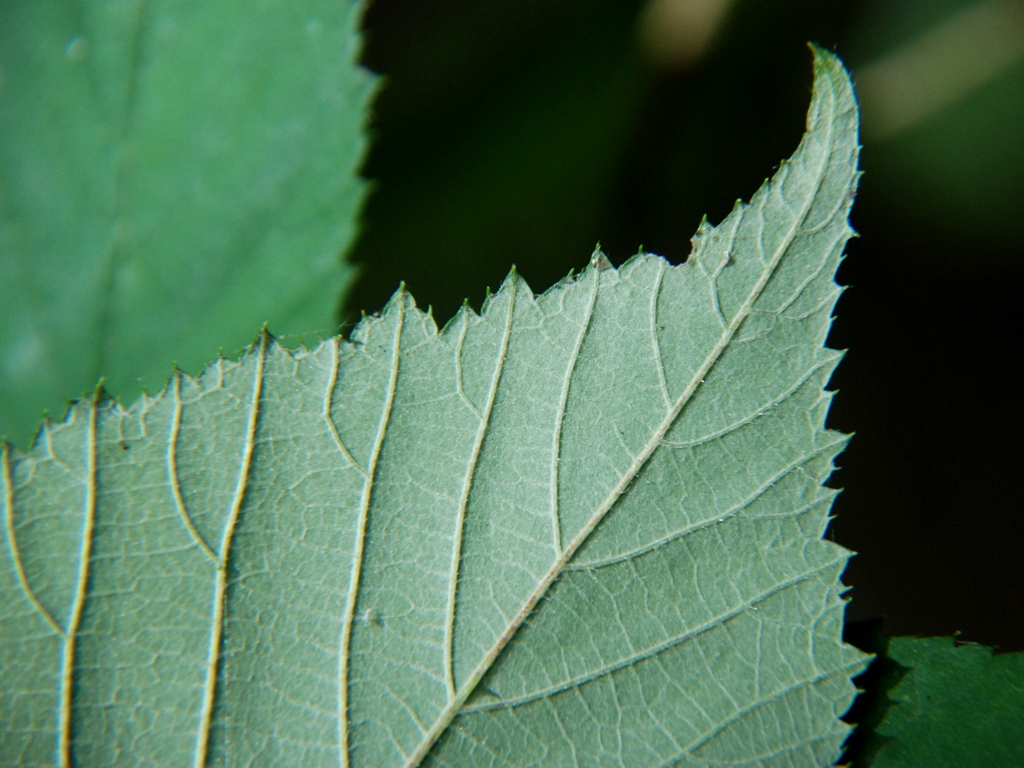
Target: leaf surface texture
(580,528)
(173,175)
(952,705)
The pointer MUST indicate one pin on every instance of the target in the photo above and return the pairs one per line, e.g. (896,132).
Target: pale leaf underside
(580,528)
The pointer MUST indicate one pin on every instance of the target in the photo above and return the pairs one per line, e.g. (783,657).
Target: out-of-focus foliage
(955,70)
(947,704)
(172,176)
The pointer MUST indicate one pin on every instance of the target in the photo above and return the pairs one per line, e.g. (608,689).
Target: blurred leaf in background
(172,176)
(943,703)
(942,89)
(526,131)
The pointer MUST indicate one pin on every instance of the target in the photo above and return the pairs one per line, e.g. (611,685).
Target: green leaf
(579,528)
(953,705)
(172,176)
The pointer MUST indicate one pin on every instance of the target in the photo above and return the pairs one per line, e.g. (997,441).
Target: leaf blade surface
(583,527)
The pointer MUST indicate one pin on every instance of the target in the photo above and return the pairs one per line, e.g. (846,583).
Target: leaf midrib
(455,706)
(594,565)
(844,670)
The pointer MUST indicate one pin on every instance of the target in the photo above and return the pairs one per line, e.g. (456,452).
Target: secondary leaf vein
(332,380)
(653,651)
(12,545)
(359,548)
(563,398)
(172,471)
(81,588)
(467,485)
(221,579)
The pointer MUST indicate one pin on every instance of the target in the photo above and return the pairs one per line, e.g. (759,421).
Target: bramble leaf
(950,705)
(172,176)
(580,528)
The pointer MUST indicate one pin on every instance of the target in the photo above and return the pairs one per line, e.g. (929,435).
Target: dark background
(523,131)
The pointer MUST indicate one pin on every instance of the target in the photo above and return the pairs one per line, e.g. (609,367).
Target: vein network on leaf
(580,527)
